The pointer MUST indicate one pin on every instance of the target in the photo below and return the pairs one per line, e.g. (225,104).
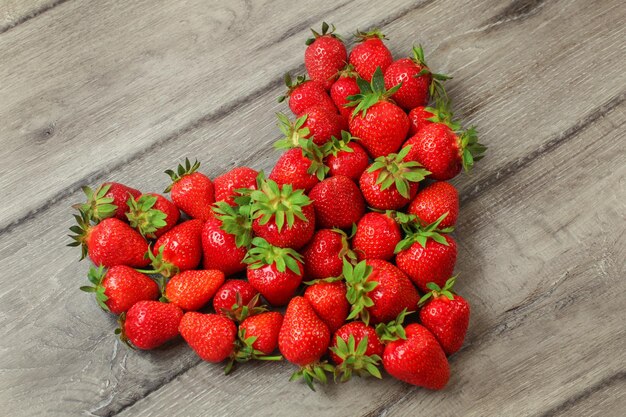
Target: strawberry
(434,201)
(344,87)
(324,254)
(328,299)
(227,184)
(273,271)
(376,237)
(192,290)
(446,315)
(211,336)
(273,206)
(427,253)
(225,239)
(178,250)
(265,327)
(109,243)
(120,287)
(441,151)
(370,54)
(418,117)
(108,200)
(152,214)
(149,324)
(390,182)
(345,157)
(303,340)
(318,124)
(418,359)
(191,191)
(421,116)
(325,55)
(338,202)
(381,125)
(304,94)
(302,167)
(356,349)
(235,296)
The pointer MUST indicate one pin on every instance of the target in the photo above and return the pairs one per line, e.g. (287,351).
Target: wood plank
(15,12)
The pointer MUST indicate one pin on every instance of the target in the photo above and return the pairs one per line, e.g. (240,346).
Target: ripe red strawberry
(152,214)
(265,327)
(381,125)
(304,94)
(226,184)
(376,237)
(178,250)
(418,359)
(220,249)
(345,157)
(191,191)
(446,315)
(338,202)
(149,324)
(421,116)
(427,253)
(282,216)
(370,54)
(328,299)
(390,182)
(344,87)
(324,255)
(418,117)
(110,242)
(192,290)
(441,151)
(119,288)
(211,336)
(274,272)
(356,348)
(108,200)
(302,167)
(434,201)
(233,297)
(318,124)
(359,331)
(325,56)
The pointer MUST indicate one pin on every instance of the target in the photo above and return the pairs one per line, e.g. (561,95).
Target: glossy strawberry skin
(211,336)
(226,295)
(219,250)
(322,255)
(125,287)
(367,56)
(276,287)
(120,194)
(307,95)
(295,237)
(265,327)
(394,292)
(338,202)
(291,168)
(322,124)
(328,299)
(183,245)
(434,263)
(414,90)
(435,200)
(350,164)
(418,118)
(113,242)
(418,360)
(192,290)
(436,147)
(324,58)
(388,199)
(194,194)
(383,130)
(149,324)
(303,337)
(359,330)
(376,237)
(448,320)
(171,212)
(340,91)
(226,184)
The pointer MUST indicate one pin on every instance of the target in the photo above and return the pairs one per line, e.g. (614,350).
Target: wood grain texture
(16,12)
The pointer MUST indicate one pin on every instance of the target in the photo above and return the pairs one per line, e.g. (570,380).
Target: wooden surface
(121,90)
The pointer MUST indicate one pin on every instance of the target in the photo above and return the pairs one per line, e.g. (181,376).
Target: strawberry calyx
(335,145)
(360,36)
(370,93)
(236,220)
(293,131)
(357,289)
(244,352)
(327,30)
(291,85)
(347,72)
(418,233)
(81,231)
(142,217)
(354,359)
(95,276)
(98,207)
(388,332)
(436,88)
(438,292)
(263,253)
(394,170)
(240,311)
(470,149)
(159,265)
(315,371)
(442,114)
(181,171)
(314,153)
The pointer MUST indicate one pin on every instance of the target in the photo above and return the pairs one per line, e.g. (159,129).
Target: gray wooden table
(115,90)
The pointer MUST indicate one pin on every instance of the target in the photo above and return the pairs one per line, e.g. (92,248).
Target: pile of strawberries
(350,231)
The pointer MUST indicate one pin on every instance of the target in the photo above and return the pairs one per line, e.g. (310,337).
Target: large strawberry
(149,324)
(211,336)
(356,349)
(324,254)
(434,201)
(381,125)
(225,238)
(370,54)
(328,299)
(236,299)
(304,94)
(120,287)
(191,191)
(301,167)
(345,157)
(338,202)
(265,327)
(108,200)
(152,214)
(446,315)
(192,290)
(376,237)
(110,242)
(344,87)
(226,185)
(318,124)
(178,250)
(325,55)
(274,272)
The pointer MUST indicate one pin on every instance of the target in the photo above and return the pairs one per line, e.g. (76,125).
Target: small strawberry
(338,202)
(418,117)
(356,349)
(446,315)
(328,299)
(301,167)
(324,254)
(370,54)
(236,299)
(225,239)
(227,184)
(318,124)
(381,125)
(192,290)
(120,287)
(376,237)
(149,324)
(274,272)
(325,55)
(178,250)
(108,200)
(304,94)
(191,191)
(421,116)
(345,157)
(265,327)
(344,87)
(390,182)
(152,214)
(211,336)
(110,242)
(434,201)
